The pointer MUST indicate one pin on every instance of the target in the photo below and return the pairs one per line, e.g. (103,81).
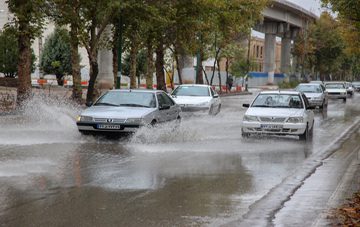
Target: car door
(163,111)
(173,111)
(309,113)
(325,94)
(215,99)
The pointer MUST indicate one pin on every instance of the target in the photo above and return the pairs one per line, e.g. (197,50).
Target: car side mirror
(88,104)
(216,96)
(246,105)
(164,107)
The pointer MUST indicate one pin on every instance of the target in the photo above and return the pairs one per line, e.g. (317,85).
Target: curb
(235,94)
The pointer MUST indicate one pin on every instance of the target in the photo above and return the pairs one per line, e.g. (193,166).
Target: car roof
(310,84)
(136,90)
(194,85)
(334,82)
(281,92)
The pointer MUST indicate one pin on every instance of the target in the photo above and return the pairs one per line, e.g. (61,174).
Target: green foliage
(9,52)
(56,56)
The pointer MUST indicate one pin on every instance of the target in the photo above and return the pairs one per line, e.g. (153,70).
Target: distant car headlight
(250,118)
(134,121)
(295,120)
(84,118)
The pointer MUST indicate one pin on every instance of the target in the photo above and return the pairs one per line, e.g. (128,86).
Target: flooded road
(202,174)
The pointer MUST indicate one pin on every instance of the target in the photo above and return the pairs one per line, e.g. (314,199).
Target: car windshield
(309,88)
(191,91)
(131,99)
(278,101)
(336,86)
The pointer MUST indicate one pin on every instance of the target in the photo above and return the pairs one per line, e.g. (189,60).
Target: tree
(9,52)
(67,12)
(322,50)
(56,55)
(29,20)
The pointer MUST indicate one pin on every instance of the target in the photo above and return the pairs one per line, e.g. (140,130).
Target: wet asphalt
(201,174)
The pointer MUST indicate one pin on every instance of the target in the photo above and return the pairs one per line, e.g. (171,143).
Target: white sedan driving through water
(127,110)
(279,113)
(197,98)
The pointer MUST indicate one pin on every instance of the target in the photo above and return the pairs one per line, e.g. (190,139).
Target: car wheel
(211,110)
(218,110)
(153,123)
(245,134)
(305,135)
(344,99)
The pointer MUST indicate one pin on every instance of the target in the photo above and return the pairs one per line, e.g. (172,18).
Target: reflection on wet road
(203,173)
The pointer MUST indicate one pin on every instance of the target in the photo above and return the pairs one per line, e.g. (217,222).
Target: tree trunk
(219,75)
(115,62)
(75,64)
(199,75)
(150,65)
(178,68)
(94,71)
(214,66)
(159,64)
(133,64)
(227,75)
(24,65)
(206,77)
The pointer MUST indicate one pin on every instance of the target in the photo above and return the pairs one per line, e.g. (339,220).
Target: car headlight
(134,121)
(250,118)
(84,118)
(295,120)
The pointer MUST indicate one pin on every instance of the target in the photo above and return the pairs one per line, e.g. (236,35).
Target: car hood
(336,90)
(117,112)
(191,100)
(313,95)
(274,112)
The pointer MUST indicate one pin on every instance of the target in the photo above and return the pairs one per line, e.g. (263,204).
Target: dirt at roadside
(348,214)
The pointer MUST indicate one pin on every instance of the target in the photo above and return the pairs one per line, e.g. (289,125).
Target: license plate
(271,126)
(113,127)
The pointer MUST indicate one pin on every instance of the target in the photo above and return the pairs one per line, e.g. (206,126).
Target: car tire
(153,123)
(219,109)
(305,135)
(245,134)
(211,110)
(344,99)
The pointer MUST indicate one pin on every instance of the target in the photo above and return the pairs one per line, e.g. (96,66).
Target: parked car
(279,113)
(356,86)
(127,110)
(349,88)
(315,93)
(336,90)
(197,98)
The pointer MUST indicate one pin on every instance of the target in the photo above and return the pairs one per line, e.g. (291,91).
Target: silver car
(315,93)
(197,98)
(127,110)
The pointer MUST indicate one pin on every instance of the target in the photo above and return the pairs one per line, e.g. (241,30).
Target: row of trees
(186,27)
(330,47)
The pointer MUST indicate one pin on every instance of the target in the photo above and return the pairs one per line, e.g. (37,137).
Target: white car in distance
(336,90)
(197,98)
(315,93)
(279,113)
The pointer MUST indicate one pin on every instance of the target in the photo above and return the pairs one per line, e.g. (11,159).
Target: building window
(257,51)
(261,52)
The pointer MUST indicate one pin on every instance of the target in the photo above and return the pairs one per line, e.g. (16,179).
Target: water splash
(44,119)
